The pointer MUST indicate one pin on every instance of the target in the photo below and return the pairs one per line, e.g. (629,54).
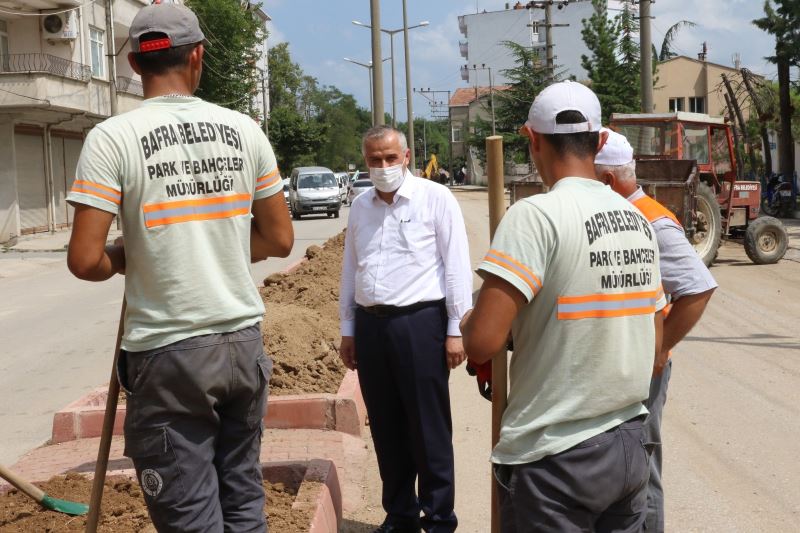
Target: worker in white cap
(688,286)
(573,274)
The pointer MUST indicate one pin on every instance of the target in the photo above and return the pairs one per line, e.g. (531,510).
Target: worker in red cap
(198,192)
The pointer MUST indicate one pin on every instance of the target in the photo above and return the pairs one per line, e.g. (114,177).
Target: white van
(313,190)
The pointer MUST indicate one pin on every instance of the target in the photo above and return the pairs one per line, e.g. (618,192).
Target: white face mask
(387,179)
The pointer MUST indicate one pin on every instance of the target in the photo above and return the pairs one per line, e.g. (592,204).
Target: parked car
(343,180)
(313,190)
(358,187)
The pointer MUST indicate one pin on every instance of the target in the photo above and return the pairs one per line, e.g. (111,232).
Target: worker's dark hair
(582,145)
(160,61)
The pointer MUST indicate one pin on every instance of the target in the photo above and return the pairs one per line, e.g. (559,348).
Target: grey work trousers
(652,431)
(193,430)
(599,485)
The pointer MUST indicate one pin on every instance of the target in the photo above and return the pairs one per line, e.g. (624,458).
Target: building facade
(523,23)
(693,85)
(54,87)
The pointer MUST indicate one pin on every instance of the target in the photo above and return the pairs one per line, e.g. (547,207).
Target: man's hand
(347,352)
(116,253)
(454,350)
(662,357)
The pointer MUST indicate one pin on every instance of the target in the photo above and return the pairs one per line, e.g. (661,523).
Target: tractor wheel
(708,225)
(765,240)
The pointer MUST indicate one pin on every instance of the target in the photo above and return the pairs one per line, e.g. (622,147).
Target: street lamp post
(391,34)
(367,66)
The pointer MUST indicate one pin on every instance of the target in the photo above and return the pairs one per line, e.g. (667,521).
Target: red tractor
(686,161)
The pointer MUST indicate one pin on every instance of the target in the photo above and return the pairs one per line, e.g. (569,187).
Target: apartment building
(54,87)
(523,23)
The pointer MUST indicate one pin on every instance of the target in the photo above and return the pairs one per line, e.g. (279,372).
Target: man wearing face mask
(406,283)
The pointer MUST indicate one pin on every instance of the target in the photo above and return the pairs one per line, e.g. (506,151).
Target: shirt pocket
(417,236)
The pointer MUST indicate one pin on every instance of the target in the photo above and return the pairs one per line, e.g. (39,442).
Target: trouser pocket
(258,406)
(158,471)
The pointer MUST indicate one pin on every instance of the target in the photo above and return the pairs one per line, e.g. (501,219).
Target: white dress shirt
(413,250)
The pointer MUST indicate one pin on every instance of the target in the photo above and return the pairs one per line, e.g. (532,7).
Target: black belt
(383,311)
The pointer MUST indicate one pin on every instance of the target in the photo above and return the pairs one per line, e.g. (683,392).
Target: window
(697,104)
(695,143)
(676,104)
(457,134)
(98,52)
(4,45)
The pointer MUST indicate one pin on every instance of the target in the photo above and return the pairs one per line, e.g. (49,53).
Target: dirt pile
(124,510)
(301,327)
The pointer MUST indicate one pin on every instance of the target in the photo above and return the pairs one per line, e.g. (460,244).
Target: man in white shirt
(406,283)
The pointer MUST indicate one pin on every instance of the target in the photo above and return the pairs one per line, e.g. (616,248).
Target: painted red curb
(344,411)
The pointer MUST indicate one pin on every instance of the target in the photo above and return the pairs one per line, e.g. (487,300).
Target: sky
(320,34)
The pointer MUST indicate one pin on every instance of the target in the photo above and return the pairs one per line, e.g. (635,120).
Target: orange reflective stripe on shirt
(515,267)
(191,210)
(268,180)
(652,210)
(606,305)
(100,191)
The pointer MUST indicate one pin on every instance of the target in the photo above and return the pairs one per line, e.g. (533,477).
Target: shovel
(48,502)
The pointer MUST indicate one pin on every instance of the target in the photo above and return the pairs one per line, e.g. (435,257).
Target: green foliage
(613,67)
(666,45)
(309,124)
(782,20)
(234,31)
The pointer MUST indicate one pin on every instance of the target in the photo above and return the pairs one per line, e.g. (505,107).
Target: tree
(526,79)
(666,51)
(783,21)
(234,32)
(613,67)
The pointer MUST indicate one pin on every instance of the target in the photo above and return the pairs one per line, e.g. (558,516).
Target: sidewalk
(56,241)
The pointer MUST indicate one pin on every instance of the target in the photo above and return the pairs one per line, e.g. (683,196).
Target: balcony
(129,86)
(462,25)
(44,64)
(463,48)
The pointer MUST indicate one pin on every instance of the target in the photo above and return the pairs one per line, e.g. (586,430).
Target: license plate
(785,193)
(319,208)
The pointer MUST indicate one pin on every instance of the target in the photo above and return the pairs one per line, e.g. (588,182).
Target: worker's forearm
(683,316)
(262,248)
(112,261)
(478,346)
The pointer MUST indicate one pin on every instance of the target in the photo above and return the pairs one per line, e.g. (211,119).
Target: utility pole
(476,68)
(112,58)
(548,32)
(646,61)
(265,102)
(377,64)
(437,112)
(547,5)
(409,103)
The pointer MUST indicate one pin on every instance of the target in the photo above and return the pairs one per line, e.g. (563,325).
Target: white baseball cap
(564,96)
(617,150)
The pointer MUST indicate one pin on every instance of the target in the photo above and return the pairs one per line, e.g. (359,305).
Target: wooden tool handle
(108,430)
(28,488)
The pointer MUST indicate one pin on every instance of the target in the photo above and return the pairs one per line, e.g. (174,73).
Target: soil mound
(301,326)
(124,510)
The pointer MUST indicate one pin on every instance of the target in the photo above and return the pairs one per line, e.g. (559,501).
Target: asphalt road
(57,334)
